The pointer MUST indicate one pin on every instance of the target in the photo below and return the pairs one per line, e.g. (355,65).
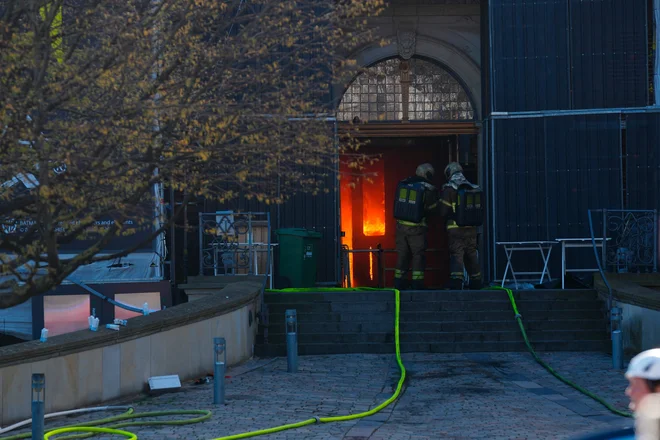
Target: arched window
(405,90)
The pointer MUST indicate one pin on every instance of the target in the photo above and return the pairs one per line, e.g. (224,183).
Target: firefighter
(461,233)
(416,198)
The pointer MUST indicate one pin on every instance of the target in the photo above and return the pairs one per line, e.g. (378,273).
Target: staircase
(436,321)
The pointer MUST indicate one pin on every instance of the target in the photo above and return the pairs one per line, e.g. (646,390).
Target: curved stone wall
(86,368)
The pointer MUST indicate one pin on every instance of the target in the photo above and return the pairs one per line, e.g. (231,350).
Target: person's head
(643,376)
(453,168)
(425,171)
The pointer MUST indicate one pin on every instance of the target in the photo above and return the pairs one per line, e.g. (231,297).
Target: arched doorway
(411,111)
(398,90)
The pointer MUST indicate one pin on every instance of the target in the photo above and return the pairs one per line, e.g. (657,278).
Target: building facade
(548,105)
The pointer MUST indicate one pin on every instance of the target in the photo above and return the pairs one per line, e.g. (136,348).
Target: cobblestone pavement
(494,395)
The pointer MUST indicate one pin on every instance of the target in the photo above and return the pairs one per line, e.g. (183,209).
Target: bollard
(617,349)
(38,405)
(291,320)
(617,338)
(220,348)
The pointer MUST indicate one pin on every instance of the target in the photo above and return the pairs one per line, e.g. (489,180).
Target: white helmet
(645,365)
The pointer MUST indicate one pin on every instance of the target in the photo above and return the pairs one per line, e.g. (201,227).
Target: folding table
(543,247)
(567,243)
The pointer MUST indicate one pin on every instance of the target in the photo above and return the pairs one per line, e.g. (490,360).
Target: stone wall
(86,368)
(638,295)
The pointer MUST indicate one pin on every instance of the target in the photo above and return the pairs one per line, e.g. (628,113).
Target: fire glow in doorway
(363,220)
(373,206)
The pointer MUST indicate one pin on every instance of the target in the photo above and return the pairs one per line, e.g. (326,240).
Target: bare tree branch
(200,90)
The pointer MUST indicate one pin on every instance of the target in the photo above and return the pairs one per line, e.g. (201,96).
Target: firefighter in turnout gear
(462,206)
(415,199)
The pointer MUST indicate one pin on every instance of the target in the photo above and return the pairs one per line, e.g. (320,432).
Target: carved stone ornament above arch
(406,40)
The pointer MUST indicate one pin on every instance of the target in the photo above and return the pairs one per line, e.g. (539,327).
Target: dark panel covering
(584,171)
(520,181)
(548,173)
(558,54)
(643,161)
(530,55)
(609,53)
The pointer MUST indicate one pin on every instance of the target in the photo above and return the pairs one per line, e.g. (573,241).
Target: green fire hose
(92,428)
(122,421)
(548,367)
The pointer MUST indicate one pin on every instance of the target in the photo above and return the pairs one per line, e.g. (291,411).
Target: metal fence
(235,243)
(383,270)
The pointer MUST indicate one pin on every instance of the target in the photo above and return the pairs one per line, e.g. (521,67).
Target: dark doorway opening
(367,199)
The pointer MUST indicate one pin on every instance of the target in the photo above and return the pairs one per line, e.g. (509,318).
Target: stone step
(436,321)
(428,295)
(429,337)
(498,315)
(272,350)
(434,306)
(450,306)
(438,326)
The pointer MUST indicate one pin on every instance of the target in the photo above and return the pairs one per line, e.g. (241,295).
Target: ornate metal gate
(235,243)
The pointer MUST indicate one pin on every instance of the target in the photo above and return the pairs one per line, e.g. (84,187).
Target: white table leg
(546,259)
(513,271)
(507,252)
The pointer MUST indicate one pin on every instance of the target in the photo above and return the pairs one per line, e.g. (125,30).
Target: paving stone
(526,384)
(451,396)
(542,391)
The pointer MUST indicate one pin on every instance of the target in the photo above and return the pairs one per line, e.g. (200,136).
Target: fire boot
(454,284)
(475,284)
(400,284)
(417,285)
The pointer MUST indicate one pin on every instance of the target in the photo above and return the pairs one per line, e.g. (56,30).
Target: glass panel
(66,313)
(434,94)
(136,300)
(17,321)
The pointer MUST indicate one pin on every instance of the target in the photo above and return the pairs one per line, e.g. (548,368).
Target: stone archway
(443,53)
(404,90)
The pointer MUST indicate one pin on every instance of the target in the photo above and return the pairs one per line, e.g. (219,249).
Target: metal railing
(630,240)
(230,243)
(381,268)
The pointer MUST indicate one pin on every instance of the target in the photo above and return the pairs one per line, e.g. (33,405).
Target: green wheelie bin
(297,257)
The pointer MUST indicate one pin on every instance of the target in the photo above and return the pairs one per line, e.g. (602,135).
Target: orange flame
(374,227)
(371,264)
(373,202)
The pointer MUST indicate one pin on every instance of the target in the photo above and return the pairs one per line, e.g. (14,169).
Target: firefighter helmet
(425,171)
(453,168)
(645,365)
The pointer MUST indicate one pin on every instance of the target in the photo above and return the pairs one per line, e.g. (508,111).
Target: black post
(381,268)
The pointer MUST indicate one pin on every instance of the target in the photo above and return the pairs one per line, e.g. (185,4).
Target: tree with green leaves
(103,100)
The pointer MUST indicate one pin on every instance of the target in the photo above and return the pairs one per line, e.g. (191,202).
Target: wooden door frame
(408,129)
